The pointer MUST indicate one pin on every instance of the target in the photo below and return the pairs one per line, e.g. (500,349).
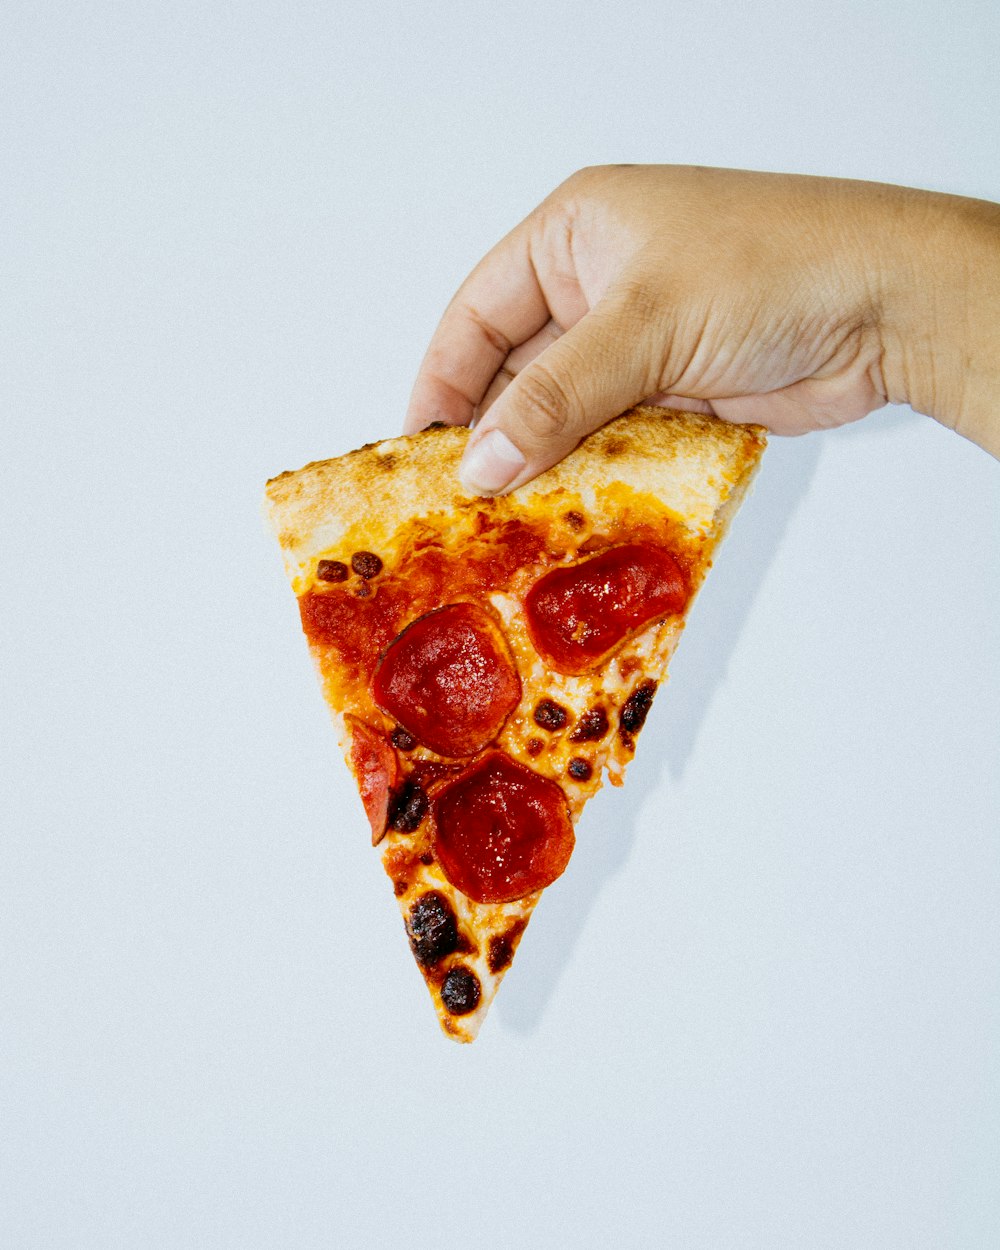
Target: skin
(795,302)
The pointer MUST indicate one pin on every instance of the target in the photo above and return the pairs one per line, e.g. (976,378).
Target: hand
(795,302)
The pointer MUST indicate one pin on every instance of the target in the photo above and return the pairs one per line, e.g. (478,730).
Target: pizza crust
(691,463)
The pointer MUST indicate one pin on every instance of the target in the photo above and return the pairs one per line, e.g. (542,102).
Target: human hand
(795,302)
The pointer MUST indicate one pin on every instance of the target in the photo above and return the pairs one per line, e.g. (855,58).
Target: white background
(761,1007)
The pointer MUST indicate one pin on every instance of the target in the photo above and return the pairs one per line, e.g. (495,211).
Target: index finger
(498,306)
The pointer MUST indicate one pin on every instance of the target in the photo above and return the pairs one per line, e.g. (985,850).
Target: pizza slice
(488,660)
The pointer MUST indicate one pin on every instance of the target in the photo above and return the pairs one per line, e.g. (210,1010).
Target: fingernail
(490,464)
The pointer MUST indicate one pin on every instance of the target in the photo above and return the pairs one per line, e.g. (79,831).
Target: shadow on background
(608,829)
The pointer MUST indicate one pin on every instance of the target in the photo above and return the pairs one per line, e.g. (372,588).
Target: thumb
(597,369)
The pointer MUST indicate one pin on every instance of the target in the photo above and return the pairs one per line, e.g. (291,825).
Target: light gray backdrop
(761,1008)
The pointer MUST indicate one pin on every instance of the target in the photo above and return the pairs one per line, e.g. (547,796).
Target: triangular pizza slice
(487,660)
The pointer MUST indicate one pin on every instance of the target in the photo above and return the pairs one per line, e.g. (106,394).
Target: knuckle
(582,186)
(640,316)
(640,302)
(545,405)
(580,176)
(495,338)
(594,173)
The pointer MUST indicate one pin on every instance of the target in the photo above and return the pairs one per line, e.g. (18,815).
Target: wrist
(942,314)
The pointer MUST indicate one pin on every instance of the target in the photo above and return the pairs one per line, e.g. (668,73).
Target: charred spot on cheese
(366,564)
(426,859)
(579,613)
(550,715)
(501,831)
(402,740)
(591,727)
(400,886)
(363,590)
(615,447)
(331,571)
(449,679)
(575,520)
(534,746)
(432,928)
(502,946)
(461,991)
(636,707)
(408,808)
(579,768)
(499,954)
(628,664)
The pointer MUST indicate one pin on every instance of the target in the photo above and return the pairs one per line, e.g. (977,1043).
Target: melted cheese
(678,480)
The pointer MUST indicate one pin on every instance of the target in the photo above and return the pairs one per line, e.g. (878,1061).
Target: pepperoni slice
(377,771)
(578,614)
(501,831)
(449,680)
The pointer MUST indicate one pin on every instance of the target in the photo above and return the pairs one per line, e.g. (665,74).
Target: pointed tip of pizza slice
(489,660)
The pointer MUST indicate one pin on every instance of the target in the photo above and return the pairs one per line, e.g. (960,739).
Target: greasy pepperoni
(501,831)
(377,771)
(579,613)
(449,680)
